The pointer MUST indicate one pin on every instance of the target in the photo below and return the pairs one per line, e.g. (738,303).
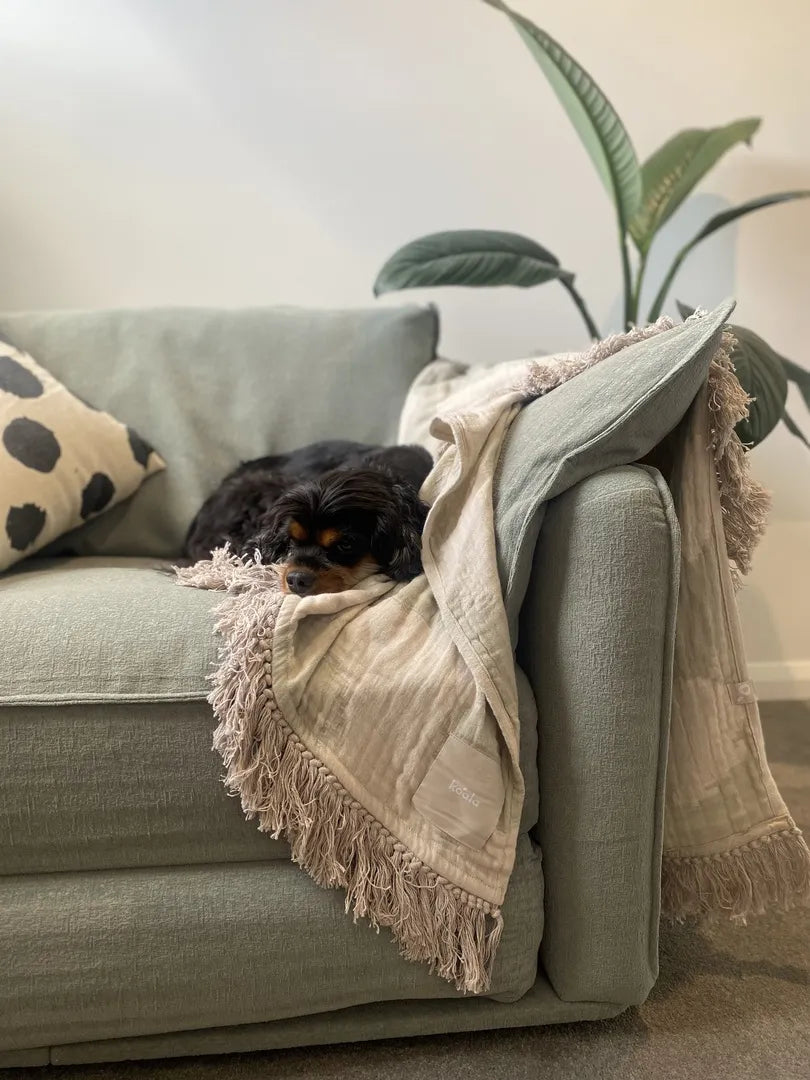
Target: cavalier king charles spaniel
(327,515)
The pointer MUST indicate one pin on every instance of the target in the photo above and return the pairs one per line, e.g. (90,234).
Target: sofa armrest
(596,641)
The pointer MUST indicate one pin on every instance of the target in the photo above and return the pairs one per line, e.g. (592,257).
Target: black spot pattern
(32,444)
(97,493)
(18,380)
(23,525)
(140,447)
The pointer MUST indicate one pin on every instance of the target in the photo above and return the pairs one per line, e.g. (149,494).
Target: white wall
(251,151)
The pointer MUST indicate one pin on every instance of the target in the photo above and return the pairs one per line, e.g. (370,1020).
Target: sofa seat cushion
(105,730)
(105,955)
(102,629)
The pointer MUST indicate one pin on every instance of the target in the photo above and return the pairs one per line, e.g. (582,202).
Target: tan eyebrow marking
(297,530)
(327,537)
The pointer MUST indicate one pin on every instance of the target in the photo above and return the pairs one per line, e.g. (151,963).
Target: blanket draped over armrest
(377,729)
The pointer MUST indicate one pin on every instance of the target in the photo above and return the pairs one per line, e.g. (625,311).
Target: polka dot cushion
(62,462)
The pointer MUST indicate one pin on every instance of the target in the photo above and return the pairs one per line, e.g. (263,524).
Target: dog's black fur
(329,514)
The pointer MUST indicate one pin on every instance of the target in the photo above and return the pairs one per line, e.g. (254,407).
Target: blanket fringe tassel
(337,841)
(771,872)
(744,502)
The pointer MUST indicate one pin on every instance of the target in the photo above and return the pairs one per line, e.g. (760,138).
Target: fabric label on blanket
(462,793)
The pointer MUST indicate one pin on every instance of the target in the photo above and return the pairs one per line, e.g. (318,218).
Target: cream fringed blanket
(377,729)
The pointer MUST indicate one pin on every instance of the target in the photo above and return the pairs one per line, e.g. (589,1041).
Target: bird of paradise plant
(645,196)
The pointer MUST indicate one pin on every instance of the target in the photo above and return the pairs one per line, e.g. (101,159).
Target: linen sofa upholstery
(141,915)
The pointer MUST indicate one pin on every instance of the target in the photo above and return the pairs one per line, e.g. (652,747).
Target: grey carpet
(732,1003)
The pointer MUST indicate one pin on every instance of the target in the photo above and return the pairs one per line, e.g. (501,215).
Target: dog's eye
(344,546)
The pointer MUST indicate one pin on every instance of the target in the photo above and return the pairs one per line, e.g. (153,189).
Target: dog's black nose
(300,582)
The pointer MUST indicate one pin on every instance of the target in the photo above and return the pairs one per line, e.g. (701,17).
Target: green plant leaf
(596,121)
(800,376)
(472,257)
(794,428)
(762,375)
(675,169)
(711,226)
(727,216)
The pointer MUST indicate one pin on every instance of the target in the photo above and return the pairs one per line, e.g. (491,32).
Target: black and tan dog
(329,514)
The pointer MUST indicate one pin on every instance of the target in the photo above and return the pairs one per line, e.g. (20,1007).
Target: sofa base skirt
(384,1020)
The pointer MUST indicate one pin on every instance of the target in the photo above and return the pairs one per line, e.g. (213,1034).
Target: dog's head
(328,534)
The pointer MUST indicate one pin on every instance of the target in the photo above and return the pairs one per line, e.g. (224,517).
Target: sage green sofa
(140,915)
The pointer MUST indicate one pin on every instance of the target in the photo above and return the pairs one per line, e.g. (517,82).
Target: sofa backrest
(209,388)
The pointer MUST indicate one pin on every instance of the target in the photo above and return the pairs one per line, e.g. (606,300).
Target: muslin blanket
(377,729)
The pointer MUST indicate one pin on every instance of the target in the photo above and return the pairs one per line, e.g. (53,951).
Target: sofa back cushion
(209,388)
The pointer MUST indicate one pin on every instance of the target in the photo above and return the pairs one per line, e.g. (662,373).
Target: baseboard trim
(781,680)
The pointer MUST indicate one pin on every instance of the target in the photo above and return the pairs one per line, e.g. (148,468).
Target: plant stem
(635,301)
(661,296)
(593,329)
(626,278)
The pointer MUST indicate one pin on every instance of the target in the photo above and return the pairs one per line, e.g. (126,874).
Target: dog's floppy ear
(397,541)
(271,540)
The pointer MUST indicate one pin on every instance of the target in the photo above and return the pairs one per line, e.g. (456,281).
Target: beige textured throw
(377,729)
